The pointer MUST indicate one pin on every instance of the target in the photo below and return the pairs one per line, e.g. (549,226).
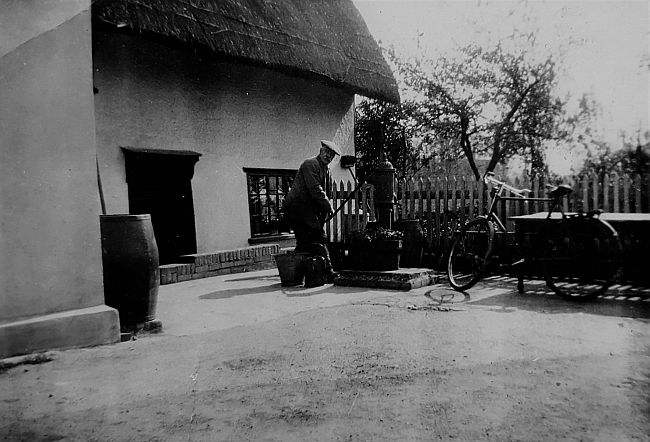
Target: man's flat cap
(331,146)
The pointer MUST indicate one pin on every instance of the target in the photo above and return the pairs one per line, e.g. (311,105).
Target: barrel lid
(124,217)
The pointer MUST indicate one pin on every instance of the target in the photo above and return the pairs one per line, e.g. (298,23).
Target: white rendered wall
(50,253)
(51,293)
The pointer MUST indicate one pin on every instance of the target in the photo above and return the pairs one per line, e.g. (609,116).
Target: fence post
(648,192)
(364,206)
(472,188)
(348,224)
(524,204)
(454,196)
(536,192)
(565,199)
(463,187)
(626,194)
(439,188)
(615,191)
(358,210)
(429,215)
(411,212)
(481,197)
(516,209)
(594,188)
(637,193)
(404,205)
(420,198)
(606,184)
(585,192)
(647,189)
(507,207)
(575,194)
(445,200)
(335,224)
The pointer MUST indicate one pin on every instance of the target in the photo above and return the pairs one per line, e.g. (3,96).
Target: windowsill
(271,238)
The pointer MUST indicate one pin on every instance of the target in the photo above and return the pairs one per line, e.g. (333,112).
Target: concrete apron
(223,302)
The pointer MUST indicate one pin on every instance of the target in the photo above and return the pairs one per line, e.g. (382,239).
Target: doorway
(160,184)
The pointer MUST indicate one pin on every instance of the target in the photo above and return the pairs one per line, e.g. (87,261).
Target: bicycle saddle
(559,191)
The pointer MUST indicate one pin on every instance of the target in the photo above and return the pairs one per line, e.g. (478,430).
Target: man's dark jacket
(307,201)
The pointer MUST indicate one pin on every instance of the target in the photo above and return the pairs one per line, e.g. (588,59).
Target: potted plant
(375,248)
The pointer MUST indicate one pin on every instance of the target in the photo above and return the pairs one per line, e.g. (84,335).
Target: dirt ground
(379,371)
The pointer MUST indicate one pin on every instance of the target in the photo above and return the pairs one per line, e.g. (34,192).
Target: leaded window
(267,189)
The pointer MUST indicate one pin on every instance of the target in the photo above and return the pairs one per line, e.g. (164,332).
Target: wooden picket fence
(444,204)
(356,212)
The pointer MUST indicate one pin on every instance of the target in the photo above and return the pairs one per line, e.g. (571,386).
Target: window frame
(270,211)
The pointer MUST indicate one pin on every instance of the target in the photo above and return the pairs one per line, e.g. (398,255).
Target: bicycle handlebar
(489,178)
(555,192)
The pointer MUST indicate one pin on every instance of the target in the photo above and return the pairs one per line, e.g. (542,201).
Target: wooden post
(472,189)
(429,216)
(420,198)
(626,194)
(463,188)
(594,196)
(350,213)
(439,188)
(606,185)
(404,206)
(616,190)
(481,197)
(565,202)
(454,196)
(411,212)
(585,193)
(637,193)
(536,192)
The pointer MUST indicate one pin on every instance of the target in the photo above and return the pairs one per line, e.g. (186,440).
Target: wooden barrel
(131,267)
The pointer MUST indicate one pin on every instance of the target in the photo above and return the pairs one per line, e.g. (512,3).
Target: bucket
(131,267)
(314,271)
(290,268)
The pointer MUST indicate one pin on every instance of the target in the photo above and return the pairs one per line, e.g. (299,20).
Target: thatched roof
(323,39)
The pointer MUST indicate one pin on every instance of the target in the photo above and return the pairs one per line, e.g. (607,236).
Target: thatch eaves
(323,39)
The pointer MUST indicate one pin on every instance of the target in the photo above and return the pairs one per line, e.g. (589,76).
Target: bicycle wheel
(470,253)
(583,257)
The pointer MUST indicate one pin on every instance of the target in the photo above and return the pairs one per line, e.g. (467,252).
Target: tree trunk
(466,145)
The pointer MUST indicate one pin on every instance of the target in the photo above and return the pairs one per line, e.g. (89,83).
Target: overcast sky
(611,41)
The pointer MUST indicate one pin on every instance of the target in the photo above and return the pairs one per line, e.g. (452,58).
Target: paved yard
(242,358)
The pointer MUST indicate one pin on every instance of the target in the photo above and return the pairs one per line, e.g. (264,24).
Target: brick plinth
(223,262)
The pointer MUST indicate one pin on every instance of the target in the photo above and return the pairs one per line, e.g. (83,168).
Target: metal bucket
(290,267)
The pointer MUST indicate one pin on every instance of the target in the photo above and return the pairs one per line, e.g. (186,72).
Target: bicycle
(580,254)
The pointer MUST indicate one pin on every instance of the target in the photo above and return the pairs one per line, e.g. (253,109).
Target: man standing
(307,204)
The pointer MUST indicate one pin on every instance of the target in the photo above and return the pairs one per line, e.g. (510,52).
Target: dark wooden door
(160,184)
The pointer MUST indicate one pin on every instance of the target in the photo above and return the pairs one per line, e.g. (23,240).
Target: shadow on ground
(290,292)
(252,278)
(230,293)
(543,301)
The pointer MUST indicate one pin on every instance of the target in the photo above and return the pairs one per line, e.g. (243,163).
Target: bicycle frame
(497,196)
